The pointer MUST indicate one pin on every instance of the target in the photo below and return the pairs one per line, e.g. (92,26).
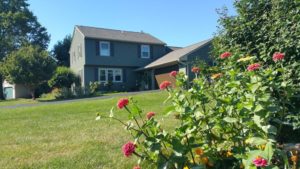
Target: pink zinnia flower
(173,74)
(225,55)
(260,162)
(150,115)
(253,67)
(137,167)
(195,69)
(278,56)
(128,149)
(164,85)
(122,103)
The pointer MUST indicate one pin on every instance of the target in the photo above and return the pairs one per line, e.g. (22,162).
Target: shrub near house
(229,121)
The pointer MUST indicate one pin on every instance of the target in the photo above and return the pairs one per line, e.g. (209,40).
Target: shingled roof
(176,55)
(118,35)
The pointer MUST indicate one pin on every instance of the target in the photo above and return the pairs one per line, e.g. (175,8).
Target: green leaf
(169,110)
(230,120)
(269,129)
(111,114)
(256,141)
(269,151)
(254,87)
(258,108)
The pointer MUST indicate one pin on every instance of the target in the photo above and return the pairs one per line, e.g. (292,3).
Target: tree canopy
(19,27)
(60,51)
(261,28)
(30,66)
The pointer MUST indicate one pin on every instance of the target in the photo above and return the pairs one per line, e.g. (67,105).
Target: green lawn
(67,135)
(17,101)
(46,98)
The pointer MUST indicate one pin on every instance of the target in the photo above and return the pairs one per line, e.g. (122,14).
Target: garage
(8,93)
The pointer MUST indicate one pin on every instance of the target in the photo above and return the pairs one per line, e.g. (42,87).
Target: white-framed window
(110,74)
(104,48)
(145,51)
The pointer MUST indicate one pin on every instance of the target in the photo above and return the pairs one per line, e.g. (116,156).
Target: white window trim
(106,74)
(108,44)
(149,52)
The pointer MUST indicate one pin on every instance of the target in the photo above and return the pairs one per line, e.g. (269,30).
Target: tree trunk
(1,87)
(32,92)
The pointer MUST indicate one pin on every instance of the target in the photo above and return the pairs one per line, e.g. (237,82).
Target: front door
(8,93)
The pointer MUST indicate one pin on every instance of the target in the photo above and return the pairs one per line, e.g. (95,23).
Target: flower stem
(188,142)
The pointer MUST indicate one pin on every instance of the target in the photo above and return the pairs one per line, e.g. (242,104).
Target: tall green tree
(261,28)
(60,51)
(30,66)
(18,27)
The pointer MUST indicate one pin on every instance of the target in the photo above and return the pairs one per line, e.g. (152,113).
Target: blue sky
(176,22)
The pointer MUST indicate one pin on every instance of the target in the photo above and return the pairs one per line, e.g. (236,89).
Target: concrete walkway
(76,100)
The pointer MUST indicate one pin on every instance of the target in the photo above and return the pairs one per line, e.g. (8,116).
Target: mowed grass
(17,101)
(68,136)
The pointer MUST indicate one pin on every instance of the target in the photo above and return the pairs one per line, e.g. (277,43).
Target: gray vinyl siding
(124,54)
(77,60)
(129,77)
(202,54)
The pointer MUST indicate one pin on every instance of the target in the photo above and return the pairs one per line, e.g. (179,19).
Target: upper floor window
(104,48)
(145,51)
(79,50)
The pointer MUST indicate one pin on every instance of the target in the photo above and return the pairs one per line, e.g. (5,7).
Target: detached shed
(14,91)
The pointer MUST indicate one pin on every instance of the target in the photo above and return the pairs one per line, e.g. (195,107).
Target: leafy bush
(231,120)
(63,77)
(94,87)
(76,92)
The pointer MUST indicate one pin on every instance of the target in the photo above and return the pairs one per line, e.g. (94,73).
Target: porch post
(152,79)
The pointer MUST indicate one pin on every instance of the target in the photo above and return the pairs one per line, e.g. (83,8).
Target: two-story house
(126,59)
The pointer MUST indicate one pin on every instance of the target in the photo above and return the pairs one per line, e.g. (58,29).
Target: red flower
(253,67)
(278,56)
(128,149)
(195,69)
(260,162)
(122,103)
(173,73)
(225,55)
(137,167)
(150,115)
(164,85)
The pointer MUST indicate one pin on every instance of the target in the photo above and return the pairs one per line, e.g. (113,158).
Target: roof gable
(176,55)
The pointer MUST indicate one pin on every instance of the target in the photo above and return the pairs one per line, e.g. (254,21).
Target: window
(118,75)
(145,51)
(108,74)
(102,75)
(79,49)
(104,48)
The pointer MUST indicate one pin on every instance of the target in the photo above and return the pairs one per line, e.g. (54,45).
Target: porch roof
(175,56)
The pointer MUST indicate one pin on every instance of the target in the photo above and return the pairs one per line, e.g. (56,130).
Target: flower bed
(229,117)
